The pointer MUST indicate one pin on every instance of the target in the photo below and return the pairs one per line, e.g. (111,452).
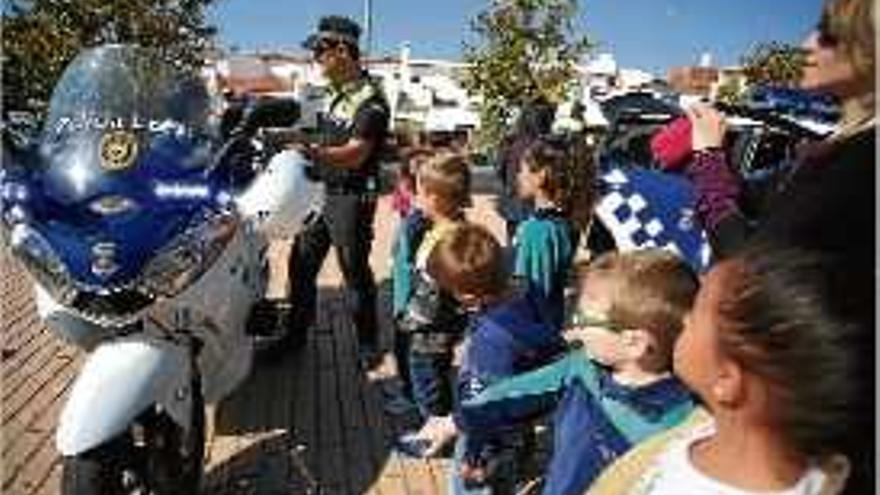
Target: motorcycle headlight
(42,262)
(192,252)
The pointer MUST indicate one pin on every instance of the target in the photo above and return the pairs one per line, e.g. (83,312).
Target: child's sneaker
(412,444)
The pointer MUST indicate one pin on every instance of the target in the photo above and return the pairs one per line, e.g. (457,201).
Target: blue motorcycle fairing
(73,181)
(123,165)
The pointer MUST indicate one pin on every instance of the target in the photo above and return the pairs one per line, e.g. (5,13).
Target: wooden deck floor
(311,423)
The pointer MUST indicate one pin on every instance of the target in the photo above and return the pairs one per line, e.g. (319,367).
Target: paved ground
(311,423)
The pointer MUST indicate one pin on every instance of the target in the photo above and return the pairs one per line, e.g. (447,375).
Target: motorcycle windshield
(125,87)
(123,166)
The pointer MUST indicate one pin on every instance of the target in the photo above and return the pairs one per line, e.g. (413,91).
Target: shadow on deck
(312,422)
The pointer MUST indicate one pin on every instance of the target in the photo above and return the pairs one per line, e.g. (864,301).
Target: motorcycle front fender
(119,380)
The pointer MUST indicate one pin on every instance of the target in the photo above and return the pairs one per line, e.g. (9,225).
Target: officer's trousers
(347,224)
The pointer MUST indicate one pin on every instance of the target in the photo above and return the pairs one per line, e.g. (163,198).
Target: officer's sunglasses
(323,47)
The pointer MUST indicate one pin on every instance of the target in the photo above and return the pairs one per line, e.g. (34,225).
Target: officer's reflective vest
(336,127)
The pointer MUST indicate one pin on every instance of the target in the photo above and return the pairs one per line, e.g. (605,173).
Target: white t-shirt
(674,474)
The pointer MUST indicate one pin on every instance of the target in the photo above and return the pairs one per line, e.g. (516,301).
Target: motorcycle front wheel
(156,456)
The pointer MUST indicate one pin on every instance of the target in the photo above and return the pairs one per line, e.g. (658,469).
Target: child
(432,321)
(404,191)
(405,186)
(618,389)
(509,335)
(410,232)
(555,179)
(780,347)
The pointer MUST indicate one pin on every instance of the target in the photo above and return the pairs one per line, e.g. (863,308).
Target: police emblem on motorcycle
(118,150)
(104,259)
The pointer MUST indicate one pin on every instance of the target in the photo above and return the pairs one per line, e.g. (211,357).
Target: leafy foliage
(40,37)
(526,52)
(730,93)
(775,63)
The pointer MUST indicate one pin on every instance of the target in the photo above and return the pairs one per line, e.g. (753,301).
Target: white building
(424,94)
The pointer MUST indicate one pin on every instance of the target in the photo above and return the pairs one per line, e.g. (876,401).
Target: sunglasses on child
(581,319)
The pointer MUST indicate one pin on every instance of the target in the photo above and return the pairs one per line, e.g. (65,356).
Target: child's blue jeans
(431,376)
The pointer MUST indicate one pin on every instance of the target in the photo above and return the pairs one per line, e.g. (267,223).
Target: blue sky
(648,34)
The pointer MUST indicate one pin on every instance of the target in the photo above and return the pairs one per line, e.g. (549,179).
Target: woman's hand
(708,127)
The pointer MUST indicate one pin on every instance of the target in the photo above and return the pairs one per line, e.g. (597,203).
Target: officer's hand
(282,138)
(312,171)
(308,150)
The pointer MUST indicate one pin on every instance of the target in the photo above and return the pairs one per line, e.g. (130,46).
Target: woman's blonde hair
(853,25)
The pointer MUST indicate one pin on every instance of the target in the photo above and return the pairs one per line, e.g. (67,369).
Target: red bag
(672,145)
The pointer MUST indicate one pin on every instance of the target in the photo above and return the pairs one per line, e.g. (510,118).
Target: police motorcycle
(641,204)
(145,235)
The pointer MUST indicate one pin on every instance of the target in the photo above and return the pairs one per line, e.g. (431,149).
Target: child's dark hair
(448,176)
(651,289)
(804,323)
(469,261)
(570,173)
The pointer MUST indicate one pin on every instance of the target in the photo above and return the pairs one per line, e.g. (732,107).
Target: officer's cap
(334,28)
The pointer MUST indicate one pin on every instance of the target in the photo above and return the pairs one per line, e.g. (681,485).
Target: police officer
(351,133)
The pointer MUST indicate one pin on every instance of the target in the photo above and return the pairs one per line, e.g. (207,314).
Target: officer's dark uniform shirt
(358,109)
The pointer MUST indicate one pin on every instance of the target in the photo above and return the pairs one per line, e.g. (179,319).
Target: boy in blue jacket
(616,388)
(510,333)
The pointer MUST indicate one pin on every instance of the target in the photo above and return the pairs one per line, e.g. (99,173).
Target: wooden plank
(32,337)
(51,483)
(41,414)
(25,377)
(34,384)
(36,454)
(40,466)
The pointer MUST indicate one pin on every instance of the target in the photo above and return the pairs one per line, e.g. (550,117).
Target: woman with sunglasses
(828,202)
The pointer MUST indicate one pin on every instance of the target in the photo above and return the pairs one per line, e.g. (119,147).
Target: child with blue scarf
(615,388)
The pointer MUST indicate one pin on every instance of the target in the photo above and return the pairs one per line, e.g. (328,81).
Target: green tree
(774,63)
(526,51)
(40,37)
(730,92)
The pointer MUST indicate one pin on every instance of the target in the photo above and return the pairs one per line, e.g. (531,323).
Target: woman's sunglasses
(826,36)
